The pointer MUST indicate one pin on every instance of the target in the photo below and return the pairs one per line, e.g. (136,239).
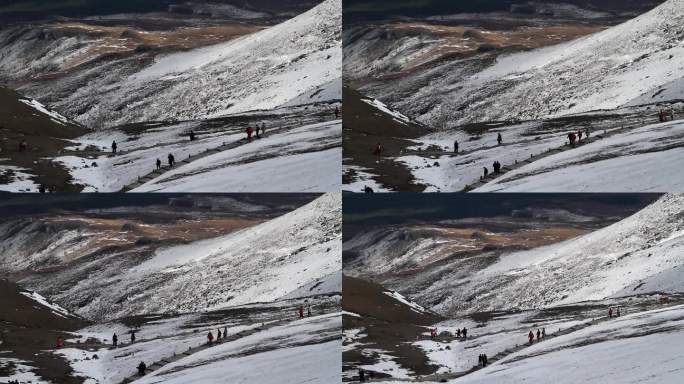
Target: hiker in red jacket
(610,312)
(531,337)
(249,133)
(301,311)
(210,337)
(59,341)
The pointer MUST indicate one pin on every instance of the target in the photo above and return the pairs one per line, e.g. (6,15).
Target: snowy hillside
(646,159)
(262,70)
(637,62)
(639,254)
(261,262)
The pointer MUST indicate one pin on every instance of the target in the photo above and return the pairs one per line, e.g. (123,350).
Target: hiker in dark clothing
(579,135)
(499,139)
(115,340)
(538,335)
(367,189)
(142,368)
(543,333)
(41,189)
(486,172)
(218,335)
(172,160)
(610,312)
(464,332)
(158,164)
(458,333)
(301,311)
(362,376)
(225,332)
(257,131)
(531,337)
(192,136)
(263,129)
(484,359)
(479,360)
(456,146)
(337,112)
(132,337)
(114,147)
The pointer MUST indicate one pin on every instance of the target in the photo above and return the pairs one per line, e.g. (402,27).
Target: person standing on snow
(142,367)
(114,147)
(218,334)
(132,337)
(115,340)
(301,311)
(543,333)
(192,135)
(337,112)
(172,160)
(610,313)
(210,337)
(225,332)
(531,337)
(538,335)
(158,164)
(465,333)
(249,133)
(458,333)
(456,147)
(377,151)
(486,172)
(499,139)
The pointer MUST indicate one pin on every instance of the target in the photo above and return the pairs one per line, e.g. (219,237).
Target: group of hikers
(219,335)
(250,131)
(482,359)
(460,333)
(610,312)
(301,310)
(540,335)
(576,137)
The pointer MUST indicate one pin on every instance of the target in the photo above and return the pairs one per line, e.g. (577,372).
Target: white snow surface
(298,160)
(645,159)
(292,353)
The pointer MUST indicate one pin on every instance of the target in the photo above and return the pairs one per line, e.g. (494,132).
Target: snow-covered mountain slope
(646,159)
(644,344)
(170,343)
(302,159)
(257,71)
(262,262)
(634,62)
(299,151)
(639,254)
(306,350)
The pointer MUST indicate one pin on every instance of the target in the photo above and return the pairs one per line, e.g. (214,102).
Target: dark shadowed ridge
(360,10)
